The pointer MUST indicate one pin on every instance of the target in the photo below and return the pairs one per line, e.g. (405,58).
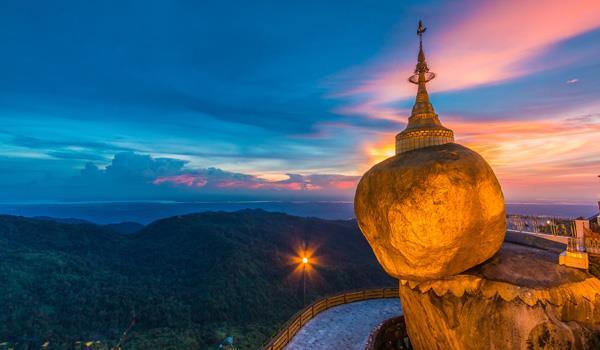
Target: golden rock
(436,208)
(431,212)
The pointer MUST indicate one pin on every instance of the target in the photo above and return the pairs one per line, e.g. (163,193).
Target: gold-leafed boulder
(435,209)
(432,212)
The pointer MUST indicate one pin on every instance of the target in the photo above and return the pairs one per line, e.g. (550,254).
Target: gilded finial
(421,30)
(424,127)
(422,73)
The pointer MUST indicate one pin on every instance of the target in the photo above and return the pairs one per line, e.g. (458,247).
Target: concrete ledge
(551,243)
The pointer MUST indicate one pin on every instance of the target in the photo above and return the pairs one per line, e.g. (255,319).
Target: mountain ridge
(191,279)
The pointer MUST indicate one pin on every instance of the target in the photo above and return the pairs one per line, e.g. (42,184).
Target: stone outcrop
(519,299)
(434,216)
(431,212)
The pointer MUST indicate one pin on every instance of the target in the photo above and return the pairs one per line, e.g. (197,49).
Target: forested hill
(190,280)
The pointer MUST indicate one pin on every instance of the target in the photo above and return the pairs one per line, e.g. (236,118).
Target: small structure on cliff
(575,254)
(434,216)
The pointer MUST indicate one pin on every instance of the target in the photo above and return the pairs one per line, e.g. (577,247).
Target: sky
(289,100)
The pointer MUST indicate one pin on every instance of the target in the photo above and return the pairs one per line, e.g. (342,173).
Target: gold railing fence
(295,323)
(551,225)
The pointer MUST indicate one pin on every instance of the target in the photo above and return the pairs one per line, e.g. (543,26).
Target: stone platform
(519,299)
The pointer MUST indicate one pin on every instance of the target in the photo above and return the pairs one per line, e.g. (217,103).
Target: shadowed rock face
(474,322)
(519,299)
(432,212)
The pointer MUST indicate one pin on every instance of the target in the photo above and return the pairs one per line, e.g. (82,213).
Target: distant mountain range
(146,212)
(189,280)
(126,227)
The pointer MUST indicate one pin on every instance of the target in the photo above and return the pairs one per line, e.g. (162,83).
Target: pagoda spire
(424,128)
(422,76)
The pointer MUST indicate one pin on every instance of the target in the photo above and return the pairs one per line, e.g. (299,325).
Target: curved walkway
(346,326)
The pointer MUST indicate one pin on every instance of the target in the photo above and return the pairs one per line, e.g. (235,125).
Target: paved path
(346,326)
(554,238)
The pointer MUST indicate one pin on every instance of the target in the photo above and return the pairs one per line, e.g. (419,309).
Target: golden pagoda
(424,127)
(434,209)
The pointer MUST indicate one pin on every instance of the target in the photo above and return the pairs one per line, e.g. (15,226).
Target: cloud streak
(212,179)
(134,176)
(494,41)
(263,109)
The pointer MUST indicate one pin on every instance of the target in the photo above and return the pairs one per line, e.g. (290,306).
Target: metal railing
(295,323)
(549,225)
(592,239)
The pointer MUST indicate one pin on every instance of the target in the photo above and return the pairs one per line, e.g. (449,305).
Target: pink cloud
(218,180)
(290,186)
(374,109)
(188,180)
(491,42)
(344,184)
(498,37)
(494,41)
(311,187)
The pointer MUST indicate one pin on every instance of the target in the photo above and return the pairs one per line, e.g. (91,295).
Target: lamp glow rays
(305,261)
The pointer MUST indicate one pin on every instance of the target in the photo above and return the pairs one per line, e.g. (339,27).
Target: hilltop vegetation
(191,280)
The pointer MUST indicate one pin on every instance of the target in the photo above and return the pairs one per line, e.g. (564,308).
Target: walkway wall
(290,328)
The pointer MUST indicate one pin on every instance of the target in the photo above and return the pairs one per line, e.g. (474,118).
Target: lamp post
(304,263)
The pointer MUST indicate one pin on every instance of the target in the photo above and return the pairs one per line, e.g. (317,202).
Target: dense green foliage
(190,280)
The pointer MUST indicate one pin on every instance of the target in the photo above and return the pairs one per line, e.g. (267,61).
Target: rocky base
(520,299)
(389,335)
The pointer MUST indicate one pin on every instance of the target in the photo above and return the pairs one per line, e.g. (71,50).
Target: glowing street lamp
(304,264)
(305,260)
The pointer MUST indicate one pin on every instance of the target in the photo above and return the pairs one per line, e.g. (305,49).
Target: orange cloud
(543,160)
(379,150)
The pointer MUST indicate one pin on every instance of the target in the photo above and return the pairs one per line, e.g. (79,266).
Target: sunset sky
(191,100)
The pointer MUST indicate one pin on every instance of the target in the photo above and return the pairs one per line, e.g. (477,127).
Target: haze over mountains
(190,280)
(145,212)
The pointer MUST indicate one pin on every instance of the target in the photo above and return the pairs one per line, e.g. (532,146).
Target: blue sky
(195,100)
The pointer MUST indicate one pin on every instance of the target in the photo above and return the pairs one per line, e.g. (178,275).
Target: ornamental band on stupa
(424,127)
